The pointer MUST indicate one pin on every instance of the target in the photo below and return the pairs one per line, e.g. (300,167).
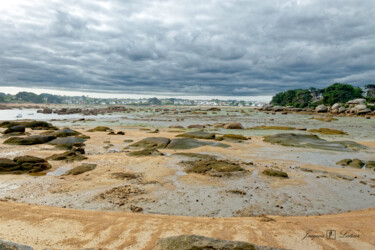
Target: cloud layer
(213,47)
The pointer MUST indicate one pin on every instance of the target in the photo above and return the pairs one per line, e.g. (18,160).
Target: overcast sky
(192,47)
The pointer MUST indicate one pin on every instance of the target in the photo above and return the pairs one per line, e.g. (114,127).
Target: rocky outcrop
(196,242)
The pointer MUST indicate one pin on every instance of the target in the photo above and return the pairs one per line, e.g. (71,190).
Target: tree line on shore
(312,97)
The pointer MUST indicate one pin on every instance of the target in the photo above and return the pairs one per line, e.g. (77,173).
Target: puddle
(58,172)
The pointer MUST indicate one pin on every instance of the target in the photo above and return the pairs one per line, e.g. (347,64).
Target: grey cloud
(193,47)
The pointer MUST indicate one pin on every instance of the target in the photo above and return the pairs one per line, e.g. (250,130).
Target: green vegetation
(336,93)
(299,98)
(341,93)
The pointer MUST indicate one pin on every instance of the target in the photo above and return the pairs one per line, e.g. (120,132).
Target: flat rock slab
(152,142)
(189,143)
(312,141)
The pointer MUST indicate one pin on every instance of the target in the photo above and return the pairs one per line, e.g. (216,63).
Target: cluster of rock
(23,164)
(353,107)
(93,111)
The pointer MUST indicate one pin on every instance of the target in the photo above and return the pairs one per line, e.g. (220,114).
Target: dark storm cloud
(231,47)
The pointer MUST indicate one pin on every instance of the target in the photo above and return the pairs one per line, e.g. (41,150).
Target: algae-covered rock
(356,163)
(370,164)
(68,156)
(276,173)
(196,242)
(146,152)
(232,137)
(99,129)
(30,140)
(15,129)
(328,131)
(32,164)
(189,143)
(34,125)
(68,142)
(312,141)
(80,169)
(344,162)
(152,142)
(198,135)
(23,164)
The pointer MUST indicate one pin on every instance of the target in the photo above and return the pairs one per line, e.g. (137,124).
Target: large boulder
(341,110)
(336,106)
(196,242)
(321,108)
(357,101)
(278,108)
(30,140)
(235,125)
